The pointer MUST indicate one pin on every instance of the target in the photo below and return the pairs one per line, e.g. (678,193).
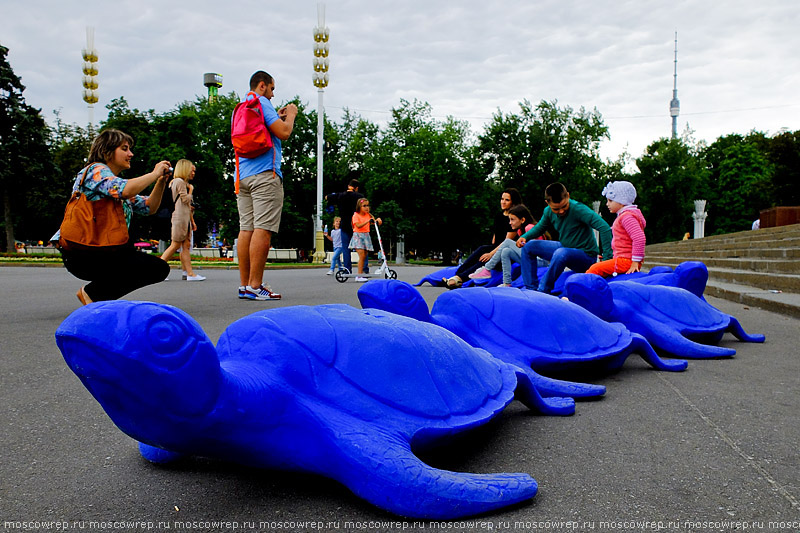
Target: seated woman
(521,220)
(501,230)
(114,271)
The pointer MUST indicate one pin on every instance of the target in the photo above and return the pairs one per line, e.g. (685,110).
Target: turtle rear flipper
(736,329)
(671,341)
(529,395)
(640,345)
(382,469)
(548,387)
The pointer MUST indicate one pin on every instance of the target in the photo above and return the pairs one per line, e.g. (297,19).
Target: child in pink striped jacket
(628,232)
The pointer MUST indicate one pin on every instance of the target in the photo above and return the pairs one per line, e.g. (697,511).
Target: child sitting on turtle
(576,247)
(628,239)
(521,220)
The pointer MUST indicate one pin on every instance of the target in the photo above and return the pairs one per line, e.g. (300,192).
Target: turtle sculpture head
(396,297)
(139,358)
(593,294)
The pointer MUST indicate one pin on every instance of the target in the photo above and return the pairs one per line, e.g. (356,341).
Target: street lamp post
(320,78)
(90,75)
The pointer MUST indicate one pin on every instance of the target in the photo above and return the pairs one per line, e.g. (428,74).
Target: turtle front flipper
(158,455)
(640,345)
(736,329)
(382,469)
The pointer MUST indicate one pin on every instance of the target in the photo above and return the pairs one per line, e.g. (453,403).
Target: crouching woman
(94,238)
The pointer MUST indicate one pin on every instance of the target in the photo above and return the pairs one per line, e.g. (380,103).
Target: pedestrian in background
(182,218)
(260,197)
(346,202)
(336,238)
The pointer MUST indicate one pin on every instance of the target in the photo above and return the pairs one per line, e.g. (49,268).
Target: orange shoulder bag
(89,225)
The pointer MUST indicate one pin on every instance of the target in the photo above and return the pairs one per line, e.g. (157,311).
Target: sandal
(83,296)
(452,283)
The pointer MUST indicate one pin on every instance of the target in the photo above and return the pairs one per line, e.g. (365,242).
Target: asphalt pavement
(714,448)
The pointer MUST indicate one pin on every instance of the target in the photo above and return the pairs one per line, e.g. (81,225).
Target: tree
(783,151)
(26,168)
(421,174)
(744,178)
(198,131)
(738,182)
(669,179)
(546,144)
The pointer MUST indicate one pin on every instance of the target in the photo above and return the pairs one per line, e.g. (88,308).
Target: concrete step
(758,253)
(786,241)
(764,266)
(759,268)
(785,303)
(789,235)
(762,280)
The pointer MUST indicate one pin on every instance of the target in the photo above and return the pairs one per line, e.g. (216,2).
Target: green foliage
(546,144)
(423,181)
(28,178)
(783,152)
(668,182)
(739,180)
(433,181)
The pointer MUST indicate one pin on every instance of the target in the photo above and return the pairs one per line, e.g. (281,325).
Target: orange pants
(608,268)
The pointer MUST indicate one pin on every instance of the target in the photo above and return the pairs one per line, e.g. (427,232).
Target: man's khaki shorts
(260,202)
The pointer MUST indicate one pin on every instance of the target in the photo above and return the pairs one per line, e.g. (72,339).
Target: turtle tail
(739,332)
(640,345)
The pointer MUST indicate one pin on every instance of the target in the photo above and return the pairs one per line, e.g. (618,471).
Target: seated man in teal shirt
(576,247)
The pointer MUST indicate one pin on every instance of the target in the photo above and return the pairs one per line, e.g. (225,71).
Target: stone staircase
(759,268)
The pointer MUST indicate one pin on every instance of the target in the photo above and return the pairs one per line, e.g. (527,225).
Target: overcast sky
(738,61)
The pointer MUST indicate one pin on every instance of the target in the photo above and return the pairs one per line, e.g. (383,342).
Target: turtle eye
(166,337)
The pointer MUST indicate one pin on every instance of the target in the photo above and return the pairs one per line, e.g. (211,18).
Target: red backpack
(249,133)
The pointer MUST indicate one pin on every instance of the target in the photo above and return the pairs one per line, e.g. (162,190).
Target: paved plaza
(714,448)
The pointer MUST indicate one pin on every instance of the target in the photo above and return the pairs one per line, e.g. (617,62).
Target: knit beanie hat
(620,191)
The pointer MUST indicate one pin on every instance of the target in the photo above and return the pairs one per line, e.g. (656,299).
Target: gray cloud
(738,67)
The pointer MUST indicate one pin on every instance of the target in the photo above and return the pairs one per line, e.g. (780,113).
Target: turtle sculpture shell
(528,329)
(689,275)
(330,390)
(671,318)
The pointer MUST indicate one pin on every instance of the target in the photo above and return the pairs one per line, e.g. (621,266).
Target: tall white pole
(320,127)
(321,49)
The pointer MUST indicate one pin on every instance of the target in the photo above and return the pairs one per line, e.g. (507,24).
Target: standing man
(260,198)
(576,247)
(346,201)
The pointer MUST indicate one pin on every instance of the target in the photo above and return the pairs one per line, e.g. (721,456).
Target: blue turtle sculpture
(528,329)
(674,320)
(689,275)
(330,390)
(435,278)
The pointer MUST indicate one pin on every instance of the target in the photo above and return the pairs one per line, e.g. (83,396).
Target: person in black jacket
(501,230)
(346,202)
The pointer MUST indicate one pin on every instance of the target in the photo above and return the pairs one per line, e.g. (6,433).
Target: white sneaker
(184,275)
(329,273)
(196,277)
(359,279)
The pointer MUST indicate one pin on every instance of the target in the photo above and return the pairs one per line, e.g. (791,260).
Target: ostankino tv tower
(674,104)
